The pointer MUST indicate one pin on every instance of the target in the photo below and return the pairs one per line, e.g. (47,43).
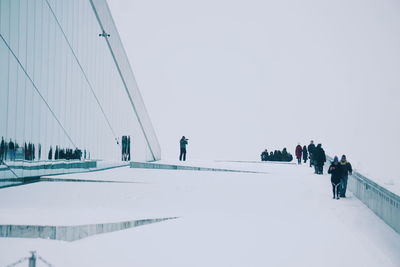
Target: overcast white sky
(237,77)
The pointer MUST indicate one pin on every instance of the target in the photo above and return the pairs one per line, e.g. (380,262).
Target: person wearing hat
(346,170)
(336,174)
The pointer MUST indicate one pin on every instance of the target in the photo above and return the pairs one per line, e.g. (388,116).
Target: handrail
(383,202)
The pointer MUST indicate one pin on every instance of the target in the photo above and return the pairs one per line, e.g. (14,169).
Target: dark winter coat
(2,147)
(298,151)
(183,143)
(311,149)
(11,145)
(305,153)
(336,172)
(264,156)
(319,155)
(346,166)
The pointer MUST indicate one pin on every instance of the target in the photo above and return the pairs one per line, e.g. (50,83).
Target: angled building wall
(67,91)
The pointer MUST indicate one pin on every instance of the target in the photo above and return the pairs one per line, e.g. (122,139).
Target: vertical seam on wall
(37,90)
(123,80)
(8,75)
(83,72)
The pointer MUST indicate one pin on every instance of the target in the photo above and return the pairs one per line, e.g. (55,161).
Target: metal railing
(380,200)
(31,260)
(384,203)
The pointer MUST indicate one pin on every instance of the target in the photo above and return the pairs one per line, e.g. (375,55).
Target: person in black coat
(2,149)
(183,143)
(286,156)
(305,154)
(347,169)
(50,155)
(264,155)
(11,149)
(336,172)
(275,157)
(319,159)
(311,148)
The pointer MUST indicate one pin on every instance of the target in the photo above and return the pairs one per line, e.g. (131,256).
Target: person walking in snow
(183,142)
(305,154)
(311,148)
(319,159)
(346,170)
(298,152)
(336,172)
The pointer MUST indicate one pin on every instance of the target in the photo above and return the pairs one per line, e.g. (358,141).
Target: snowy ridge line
(151,165)
(384,203)
(72,180)
(39,179)
(73,232)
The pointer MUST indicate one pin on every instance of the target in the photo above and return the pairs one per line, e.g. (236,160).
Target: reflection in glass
(64,104)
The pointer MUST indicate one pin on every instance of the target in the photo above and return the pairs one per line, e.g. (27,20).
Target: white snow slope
(283,218)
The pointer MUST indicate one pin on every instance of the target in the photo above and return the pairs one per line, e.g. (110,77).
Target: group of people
(8,151)
(277,155)
(12,151)
(301,152)
(66,153)
(316,154)
(126,148)
(340,171)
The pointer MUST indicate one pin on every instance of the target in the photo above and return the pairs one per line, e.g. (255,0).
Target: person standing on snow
(183,142)
(305,154)
(336,172)
(319,159)
(2,150)
(264,155)
(298,152)
(311,148)
(346,170)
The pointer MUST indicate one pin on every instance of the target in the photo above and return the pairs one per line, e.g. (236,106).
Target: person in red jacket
(299,150)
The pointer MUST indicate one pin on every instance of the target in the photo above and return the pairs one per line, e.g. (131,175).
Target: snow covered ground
(284,216)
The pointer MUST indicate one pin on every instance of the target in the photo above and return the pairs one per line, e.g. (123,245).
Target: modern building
(68,97)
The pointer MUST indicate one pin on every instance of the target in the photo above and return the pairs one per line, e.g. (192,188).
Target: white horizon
(239,77)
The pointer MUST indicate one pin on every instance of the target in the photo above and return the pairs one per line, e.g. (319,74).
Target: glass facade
(68,96)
